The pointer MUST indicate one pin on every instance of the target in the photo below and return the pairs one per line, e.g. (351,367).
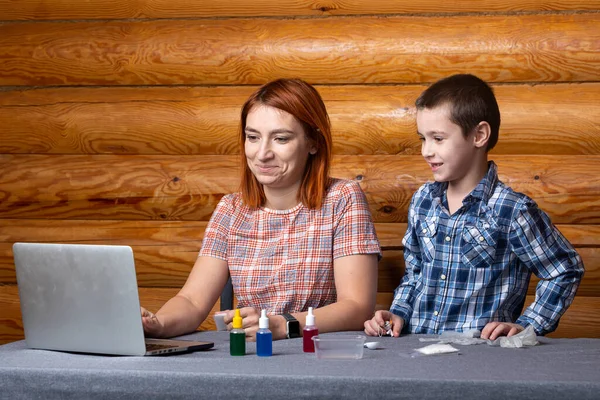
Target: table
(555,369)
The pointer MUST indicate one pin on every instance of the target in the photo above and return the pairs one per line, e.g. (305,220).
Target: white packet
(435,349)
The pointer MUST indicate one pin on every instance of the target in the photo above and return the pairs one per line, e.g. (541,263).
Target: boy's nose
(426,150)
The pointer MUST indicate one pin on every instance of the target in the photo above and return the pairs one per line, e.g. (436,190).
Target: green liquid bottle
(237,336)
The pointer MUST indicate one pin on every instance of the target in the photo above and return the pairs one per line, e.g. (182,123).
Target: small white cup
(218,317)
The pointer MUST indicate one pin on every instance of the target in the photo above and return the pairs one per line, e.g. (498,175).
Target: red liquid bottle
(310,330)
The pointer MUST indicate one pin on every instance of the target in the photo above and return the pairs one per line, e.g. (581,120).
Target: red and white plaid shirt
(282,260)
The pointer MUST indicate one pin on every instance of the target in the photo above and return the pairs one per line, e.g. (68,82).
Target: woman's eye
(438,139)
(251,138)
(282,139)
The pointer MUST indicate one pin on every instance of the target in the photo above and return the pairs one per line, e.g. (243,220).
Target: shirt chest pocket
(426,230)
(479,246)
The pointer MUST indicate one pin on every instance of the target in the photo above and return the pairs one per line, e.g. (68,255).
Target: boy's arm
(404,293)
(546,252)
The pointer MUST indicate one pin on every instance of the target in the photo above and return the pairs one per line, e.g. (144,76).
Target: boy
(472,242)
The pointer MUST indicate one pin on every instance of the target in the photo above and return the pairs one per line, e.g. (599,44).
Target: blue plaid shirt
(473,267)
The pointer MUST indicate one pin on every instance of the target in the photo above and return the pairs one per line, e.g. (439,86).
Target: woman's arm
(186,311)
(356,285)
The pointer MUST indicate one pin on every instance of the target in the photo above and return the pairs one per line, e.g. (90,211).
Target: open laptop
(84,298)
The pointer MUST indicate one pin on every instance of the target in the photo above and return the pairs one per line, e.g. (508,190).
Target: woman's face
(276,147)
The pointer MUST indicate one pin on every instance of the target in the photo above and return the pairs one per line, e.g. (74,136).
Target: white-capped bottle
(264,337)
(310,330)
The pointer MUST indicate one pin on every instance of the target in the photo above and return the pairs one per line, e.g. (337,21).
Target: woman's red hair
(301,100)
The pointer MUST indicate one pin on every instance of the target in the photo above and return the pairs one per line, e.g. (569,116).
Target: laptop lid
(82,298)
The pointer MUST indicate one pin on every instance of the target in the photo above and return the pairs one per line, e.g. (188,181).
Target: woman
(293,237)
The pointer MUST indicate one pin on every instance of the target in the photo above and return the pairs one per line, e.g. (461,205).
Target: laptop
(84,298)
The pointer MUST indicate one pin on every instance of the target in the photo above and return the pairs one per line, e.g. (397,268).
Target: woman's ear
(482,134)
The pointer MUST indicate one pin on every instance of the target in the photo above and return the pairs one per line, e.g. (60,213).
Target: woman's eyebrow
(279,130)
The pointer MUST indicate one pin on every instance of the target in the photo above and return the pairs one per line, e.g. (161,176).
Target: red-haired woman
(292,238)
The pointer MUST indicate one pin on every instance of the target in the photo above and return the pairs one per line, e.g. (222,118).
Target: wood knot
(387,209)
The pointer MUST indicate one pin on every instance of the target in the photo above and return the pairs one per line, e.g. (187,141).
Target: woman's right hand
(375,325)
(152,325)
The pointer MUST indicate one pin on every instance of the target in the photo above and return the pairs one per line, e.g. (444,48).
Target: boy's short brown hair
(470,99)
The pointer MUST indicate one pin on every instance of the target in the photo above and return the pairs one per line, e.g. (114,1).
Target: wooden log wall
(118,118)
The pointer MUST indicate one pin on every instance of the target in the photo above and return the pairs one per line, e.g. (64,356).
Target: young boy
(472,242)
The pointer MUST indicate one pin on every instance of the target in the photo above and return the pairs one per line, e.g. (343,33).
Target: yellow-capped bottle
(237,336)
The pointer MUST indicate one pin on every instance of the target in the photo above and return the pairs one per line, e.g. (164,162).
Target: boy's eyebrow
(431,133)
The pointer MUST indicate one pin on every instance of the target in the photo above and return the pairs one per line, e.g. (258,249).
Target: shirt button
(435,313)
(447,238)
(443,276)
(481,239)
(424,230)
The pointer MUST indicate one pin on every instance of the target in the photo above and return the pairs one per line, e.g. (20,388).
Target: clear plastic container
(339,346)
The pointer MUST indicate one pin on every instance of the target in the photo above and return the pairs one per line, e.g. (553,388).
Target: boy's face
(449,154)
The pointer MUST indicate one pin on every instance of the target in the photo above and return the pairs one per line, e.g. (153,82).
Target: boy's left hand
(493,330)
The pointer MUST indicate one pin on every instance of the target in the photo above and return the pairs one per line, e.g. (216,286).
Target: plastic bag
(525,338)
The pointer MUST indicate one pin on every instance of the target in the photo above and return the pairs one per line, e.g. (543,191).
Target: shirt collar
(485,187)
(483,190)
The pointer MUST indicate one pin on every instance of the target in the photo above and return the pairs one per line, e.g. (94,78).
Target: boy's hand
(493,330)
(375,325)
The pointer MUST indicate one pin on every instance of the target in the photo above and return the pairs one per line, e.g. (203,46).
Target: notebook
(84,298)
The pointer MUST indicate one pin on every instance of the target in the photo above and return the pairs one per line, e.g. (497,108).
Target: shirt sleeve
(354,232)
(214,243)
(547,253)
(402,305)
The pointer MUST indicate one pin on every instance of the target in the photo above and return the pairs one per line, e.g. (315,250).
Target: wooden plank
(188,188)
(125,9)
(390,235)
(65,120)
(398,49)
(580,320)
(11,324)
(164,257)
(391,271)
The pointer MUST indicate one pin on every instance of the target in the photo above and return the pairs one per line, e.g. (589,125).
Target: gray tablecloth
(555,369)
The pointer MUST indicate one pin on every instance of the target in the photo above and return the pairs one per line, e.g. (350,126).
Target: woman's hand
(375,325)
(250,317)
(152,325)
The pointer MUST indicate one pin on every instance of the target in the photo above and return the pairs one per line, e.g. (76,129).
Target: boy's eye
(421,138)
(438,139)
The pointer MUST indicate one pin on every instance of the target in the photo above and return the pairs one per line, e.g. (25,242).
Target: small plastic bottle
(264,337)
(310,330)
(237,336)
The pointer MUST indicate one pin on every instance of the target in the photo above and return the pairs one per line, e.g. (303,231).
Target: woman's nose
(264,151)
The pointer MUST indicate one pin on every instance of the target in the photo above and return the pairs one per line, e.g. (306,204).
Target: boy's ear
(482,134)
